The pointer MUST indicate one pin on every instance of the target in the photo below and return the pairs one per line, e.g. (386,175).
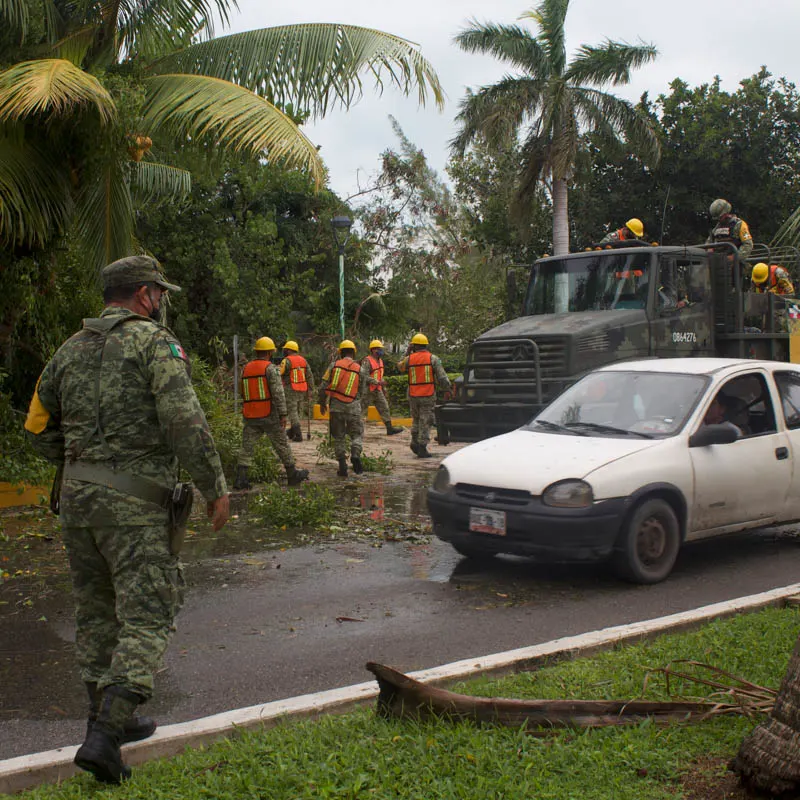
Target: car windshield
(631,404)
(609,280)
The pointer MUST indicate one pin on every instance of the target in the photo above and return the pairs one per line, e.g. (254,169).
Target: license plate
(484,520)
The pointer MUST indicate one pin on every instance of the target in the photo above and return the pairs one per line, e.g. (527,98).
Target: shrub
(294,508)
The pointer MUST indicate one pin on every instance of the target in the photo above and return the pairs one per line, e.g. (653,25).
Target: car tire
(471,551)
(648,543)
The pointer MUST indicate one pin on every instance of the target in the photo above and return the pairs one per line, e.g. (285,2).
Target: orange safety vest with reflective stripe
(297,372)
(375,371)
(256,399)
(421,382)
(345,380)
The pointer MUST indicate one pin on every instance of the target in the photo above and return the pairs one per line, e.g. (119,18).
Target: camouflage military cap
(133,270)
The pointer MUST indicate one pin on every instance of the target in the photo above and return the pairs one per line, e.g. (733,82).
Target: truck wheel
(471,551)
(648,544)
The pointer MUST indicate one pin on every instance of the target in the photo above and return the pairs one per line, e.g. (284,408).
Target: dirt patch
(710,779)
(376,442)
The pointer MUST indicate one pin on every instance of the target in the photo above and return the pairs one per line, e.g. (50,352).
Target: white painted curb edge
(52,766)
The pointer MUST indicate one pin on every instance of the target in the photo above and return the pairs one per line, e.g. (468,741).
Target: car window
(789,389)
(617,403)
(684,282)
(745,402)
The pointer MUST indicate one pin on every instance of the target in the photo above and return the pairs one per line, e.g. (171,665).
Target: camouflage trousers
(270,426)
(346,421)
(421,418)
(128,589)
(378,399)
(297,405)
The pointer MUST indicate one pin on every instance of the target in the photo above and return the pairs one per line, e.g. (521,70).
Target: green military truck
(584,310)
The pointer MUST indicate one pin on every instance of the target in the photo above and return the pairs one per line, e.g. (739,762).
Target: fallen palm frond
(403,697)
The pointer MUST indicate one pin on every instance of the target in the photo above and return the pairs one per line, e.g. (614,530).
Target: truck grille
(489,494)
(514,361)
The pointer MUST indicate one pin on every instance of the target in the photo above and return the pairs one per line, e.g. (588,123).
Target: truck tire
(648,543)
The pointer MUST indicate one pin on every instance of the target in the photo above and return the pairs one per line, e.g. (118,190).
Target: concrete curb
(24,772)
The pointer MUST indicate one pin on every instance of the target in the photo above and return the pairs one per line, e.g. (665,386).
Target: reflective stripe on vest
(421,382)
(375,371)
(345,380)
(256,399)
(297,373)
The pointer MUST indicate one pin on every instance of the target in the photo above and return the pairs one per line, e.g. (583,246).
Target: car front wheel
(648,543)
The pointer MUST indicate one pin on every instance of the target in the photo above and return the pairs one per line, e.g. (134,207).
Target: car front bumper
(532,528)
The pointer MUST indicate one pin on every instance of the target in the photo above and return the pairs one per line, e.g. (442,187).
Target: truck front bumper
(471,422)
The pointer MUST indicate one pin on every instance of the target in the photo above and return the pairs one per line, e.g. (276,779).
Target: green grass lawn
(358,755)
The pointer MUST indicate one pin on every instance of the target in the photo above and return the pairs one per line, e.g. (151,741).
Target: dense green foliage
(360,755)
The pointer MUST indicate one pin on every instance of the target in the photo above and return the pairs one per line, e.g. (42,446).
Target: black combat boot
(99,754)
(391,430)
(295,476)
(296,433)
(358,467)
(242,482)
(342,471)
(290,435)
(135,729)
(414,447)
(422,451)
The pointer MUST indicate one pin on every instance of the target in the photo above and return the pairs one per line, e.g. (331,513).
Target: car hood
(530,461)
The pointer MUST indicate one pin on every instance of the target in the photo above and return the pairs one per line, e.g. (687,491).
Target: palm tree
(550,102)
(81,141)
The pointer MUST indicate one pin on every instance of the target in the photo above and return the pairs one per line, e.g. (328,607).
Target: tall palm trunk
(769,758)
(561,240)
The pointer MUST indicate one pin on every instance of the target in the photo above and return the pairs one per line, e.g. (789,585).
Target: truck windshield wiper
(596,426)
(554,426)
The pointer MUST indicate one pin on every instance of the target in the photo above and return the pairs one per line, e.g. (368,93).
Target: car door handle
(781,453)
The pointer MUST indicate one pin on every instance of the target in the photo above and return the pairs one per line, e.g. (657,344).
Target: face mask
(155,312)
(378,353)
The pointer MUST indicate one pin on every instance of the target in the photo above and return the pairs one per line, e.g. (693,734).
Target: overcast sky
(696,39)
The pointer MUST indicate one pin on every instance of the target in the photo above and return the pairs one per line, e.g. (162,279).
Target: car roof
(694,366)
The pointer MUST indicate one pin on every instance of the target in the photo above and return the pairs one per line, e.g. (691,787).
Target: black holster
(180,507)
(55,490)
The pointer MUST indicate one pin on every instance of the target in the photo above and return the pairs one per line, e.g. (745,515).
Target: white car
(630,462)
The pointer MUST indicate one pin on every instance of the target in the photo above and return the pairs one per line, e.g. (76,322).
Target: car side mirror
(724,433)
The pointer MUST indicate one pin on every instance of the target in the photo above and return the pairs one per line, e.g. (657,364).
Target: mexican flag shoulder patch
(177,351)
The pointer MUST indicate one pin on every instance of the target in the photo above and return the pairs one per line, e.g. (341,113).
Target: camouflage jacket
(439,374)
(149,417)
(337,405)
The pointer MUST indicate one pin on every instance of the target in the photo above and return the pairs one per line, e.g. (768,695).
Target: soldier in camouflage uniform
(264,411)
(298,385)
(344,382)
(377,391)
(425,373)
(115,408)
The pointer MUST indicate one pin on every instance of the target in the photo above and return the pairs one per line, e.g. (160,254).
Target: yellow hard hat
(635,226)
(291,345)
(375,343)
(347,345)
(264,343)
(419,338)
(760,273)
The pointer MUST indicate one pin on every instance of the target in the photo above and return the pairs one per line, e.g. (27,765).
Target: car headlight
(568,494)
(441,483)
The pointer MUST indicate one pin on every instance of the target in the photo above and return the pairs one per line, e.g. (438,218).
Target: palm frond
(76,44)
(549,15)
(509,43)
(496,112)
(16,14)
(51,86)
(314,67)
(609,63)
(104,218)
(612,115)
(199,106)
(151,181)
(35,201)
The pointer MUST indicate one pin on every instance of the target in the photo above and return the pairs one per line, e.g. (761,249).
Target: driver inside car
(721,411)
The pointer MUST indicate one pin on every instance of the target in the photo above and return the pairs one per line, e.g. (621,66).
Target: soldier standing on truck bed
(729,228)
(425,373)
(634,229)
(773,278)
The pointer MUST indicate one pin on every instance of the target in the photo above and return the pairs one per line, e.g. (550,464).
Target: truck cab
(584,310)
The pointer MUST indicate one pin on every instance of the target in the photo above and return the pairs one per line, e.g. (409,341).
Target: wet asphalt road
(264,625)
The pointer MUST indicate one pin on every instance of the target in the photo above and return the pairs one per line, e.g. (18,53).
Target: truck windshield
(608,280)
(642,404)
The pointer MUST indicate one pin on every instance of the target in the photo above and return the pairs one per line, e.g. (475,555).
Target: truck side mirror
(725,433)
